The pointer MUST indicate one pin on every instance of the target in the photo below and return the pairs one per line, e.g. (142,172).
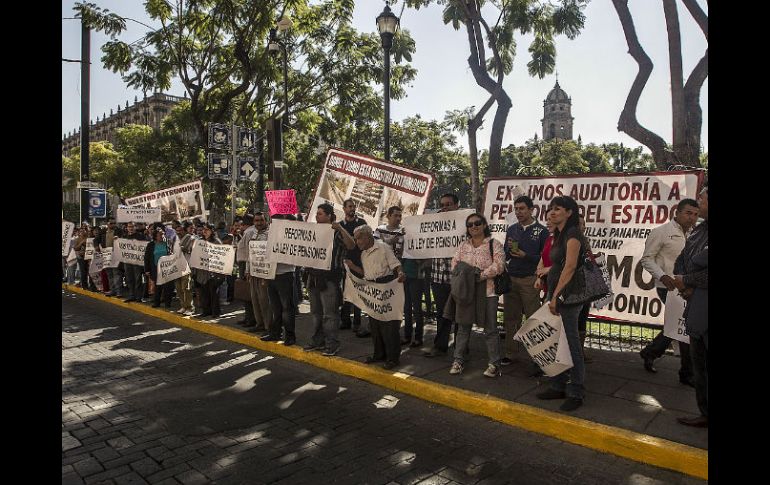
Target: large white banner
(620,211)
(434,235)
(67,230)
(260,265)
(183,201)
(305,244)
(381,301)
(373,184)
(217,258)
(172,266)
(128,251)
(546,342)
(673,325)
(148,216)
(89,254)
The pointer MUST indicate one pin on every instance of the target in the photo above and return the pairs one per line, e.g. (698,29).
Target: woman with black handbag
(564,277)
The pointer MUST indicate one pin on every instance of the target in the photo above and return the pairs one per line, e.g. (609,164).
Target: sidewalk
(620,393)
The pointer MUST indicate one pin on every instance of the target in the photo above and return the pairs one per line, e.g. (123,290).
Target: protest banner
(172,266)
(107,258)
(260,265)
(301,243)
(381,301)
(128,251)
(620,211)
(217,258)
(67,230)
(138,214)
(434,235)
(97,264)
(546,342)
(89,254)
(180,202)
(673,319)
(72,257)
(373,184)
(282,201)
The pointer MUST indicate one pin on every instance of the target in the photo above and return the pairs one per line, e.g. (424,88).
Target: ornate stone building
(149,111)
(557,117)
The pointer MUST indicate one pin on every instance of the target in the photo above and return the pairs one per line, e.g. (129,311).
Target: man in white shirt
(248,232)
(379,264)
(661,249)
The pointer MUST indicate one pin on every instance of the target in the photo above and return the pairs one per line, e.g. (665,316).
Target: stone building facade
(557,115)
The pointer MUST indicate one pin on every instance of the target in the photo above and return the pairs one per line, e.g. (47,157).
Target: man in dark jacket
(691,270)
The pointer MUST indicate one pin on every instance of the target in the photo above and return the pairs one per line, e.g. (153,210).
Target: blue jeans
(571,380)
(491,335)
(325,308)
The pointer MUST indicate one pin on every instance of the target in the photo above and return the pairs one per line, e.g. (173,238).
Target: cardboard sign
(301,243)
(172,266)
(435,235)
(180,202)
(67,230)
(107,258)
(282,201)
(72,258)
(673,319)
(128,251)
(89,249)
(259,264)
(544,338)
(381,301)
(148,216)
(97,264)
(217,258)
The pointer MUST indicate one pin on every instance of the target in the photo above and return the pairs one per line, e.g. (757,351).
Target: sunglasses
(476,223)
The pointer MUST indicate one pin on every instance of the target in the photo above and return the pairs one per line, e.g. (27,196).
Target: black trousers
(413,290)
(443,325)
(385,339)
(345,313)
(210,297)
(167,290)
(248,313)
(660,343)
(280,291)
(700,366)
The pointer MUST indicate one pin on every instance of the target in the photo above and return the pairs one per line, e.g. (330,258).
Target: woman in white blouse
(484,253)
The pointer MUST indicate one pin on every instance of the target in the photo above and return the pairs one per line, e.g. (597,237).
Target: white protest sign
(620,210)
(305,244)
(89,248)
(259,264)
(434,235)
(673,321)
(172,266)
(67,230)
(72,257)
(97,264)
(546,342)
(381,301)
(128,251)
(217,258)
(107,258)
(129,214)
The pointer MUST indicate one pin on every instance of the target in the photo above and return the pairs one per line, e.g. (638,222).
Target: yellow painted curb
(609,439)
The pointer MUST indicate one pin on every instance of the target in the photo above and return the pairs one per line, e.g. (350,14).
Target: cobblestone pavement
(147,402)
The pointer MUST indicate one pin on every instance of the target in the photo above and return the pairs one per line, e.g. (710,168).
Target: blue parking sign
(97,203)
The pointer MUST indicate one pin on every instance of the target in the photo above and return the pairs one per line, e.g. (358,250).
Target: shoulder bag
(502,281)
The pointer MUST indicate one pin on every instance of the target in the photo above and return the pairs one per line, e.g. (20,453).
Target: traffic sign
(220,166)
(247,168)
(219,136)
(87,184)
(97,203)
(247,139)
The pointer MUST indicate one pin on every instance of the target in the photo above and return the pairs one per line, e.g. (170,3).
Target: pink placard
(282,201)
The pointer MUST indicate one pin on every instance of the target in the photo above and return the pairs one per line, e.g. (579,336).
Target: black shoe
(551,394)
(269,338)
(363,334)
(330,352)
(245,323)
(416,343)
(345,326)
(571,404)
(434,352)
(648,361)
(389,365)
(698,422)
(311,347)
(155,305)
(289,341)
(506,361)
(372,360)
(129,300)
(406,341)
(254,329)
(688,381)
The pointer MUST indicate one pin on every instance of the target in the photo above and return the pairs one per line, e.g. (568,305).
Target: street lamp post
(387,22)
(273,46)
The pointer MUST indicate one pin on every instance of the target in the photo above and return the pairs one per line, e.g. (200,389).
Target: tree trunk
(473,125)
(498,129)
(627,122)
(694,121)
(677,79)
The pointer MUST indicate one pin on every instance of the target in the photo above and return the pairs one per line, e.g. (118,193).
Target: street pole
(278,172)
(233,175)
(387,23)
(387,102)
(85,107)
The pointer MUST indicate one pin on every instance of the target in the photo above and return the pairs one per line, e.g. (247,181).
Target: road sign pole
(233,175)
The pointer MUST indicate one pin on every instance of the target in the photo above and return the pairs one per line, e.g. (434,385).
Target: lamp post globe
(387,23)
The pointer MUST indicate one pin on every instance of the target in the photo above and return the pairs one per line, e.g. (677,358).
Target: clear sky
(594,69)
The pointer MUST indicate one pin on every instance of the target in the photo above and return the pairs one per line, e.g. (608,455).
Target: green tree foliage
(561,157)
(598,160)
(106,167)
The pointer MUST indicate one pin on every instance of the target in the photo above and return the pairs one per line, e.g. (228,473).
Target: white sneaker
(492,371)
(457,368)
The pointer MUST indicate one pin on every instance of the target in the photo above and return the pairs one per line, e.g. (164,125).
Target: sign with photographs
(179,202)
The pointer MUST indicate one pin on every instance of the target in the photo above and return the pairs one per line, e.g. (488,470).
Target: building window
(553,108)
(561,108)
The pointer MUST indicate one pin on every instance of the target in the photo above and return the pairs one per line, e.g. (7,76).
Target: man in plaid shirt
(441,270)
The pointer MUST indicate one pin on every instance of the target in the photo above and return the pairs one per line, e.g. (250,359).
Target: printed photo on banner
(217,258)
(620,210)
(128,251)
(381,301)
(138,214)
(67,231)
(282,201)
(434,235)
(373,184)
(184,201)
(172,266)
(305,244)
(260,265)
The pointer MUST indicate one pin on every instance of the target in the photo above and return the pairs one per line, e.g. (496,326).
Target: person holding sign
(281,296)
(209,280)
(524,243)
(477,302)
(248,232)
(152,253)
(83,263)
(134,272)
(182,285)
(350,222)
(379,264)
(114,275)
(661,249)
(260,301)
(324,287)
(569,245)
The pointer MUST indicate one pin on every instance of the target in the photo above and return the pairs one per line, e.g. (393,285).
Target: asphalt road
(146,402)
